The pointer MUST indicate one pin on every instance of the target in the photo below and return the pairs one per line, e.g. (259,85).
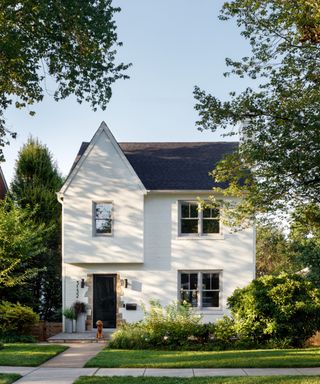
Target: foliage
(16,318)
(28,355)
(274,253)
(12,337)
(276,308)
(263,358)
(69,313)
(175,326)
(72,41)
(78,308)
(35,183)
(21,240)
(305,239)
(281,127)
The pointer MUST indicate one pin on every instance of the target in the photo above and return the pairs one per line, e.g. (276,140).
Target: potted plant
(69,315)
(80,310)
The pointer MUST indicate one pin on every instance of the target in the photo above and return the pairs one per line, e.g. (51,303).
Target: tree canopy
(35,183)
(280,117)
(73,41)
(21,240)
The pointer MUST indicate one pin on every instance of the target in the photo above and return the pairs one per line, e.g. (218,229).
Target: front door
(104,300)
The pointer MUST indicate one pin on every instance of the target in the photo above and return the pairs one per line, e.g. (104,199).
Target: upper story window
(197,221)
(103,221)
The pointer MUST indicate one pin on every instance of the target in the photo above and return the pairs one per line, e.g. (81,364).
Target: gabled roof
(173,166)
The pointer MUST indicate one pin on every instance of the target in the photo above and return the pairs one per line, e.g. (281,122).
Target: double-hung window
(103,221)
(198,221)
(201,289)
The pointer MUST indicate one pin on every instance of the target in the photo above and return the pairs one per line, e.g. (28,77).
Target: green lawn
(8,378)
(308,357)
(200,380)
(28,355)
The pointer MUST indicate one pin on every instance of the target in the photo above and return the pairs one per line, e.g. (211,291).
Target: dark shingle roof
(169,166)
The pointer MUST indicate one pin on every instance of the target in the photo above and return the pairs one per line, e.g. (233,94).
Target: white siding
(165,253)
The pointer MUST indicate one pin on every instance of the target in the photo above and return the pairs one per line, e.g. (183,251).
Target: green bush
(10,337)
(16,318)
(276,310)
(174,327)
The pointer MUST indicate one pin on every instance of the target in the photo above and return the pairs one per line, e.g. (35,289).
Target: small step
(83,337)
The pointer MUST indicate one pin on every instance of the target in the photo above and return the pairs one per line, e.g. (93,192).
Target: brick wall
(44,329)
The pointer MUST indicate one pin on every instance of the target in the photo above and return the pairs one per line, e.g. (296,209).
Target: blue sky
(173,46)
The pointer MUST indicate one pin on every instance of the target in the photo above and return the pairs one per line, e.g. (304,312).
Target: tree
(35,184)
(281,125)
(305,239)
(73,41)
(21,240)
(274,253)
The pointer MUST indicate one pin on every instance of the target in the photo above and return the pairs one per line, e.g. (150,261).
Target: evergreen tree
(35,184)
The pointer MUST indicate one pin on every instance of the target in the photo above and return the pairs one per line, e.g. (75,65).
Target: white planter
(81,322)
(68,325)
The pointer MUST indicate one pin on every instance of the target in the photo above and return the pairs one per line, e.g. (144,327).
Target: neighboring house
(3,185)
(132,230)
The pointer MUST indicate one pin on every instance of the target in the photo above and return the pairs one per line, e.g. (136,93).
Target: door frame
(115,279)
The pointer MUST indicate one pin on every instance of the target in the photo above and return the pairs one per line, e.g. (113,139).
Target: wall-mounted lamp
(124,283)
(83,283)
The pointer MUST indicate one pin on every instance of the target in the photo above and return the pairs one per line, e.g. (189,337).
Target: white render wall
(103,177)
(164,252)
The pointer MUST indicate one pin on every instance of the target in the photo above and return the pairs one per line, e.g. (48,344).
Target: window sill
(102,235)
(216,236)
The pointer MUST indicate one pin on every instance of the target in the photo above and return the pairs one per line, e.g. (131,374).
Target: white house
(132,230)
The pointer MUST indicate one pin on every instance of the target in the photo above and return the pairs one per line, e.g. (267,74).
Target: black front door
(104,300)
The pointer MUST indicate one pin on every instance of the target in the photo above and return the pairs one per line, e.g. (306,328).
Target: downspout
(63,267)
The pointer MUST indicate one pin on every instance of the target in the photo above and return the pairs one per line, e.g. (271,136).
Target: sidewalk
(44,375)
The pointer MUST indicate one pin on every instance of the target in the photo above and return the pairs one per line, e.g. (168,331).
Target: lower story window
(201,289)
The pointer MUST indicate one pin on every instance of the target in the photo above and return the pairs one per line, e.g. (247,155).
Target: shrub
(69,313)
(78,307)
(16,318)
(10,337)
(175,326)
(281,309)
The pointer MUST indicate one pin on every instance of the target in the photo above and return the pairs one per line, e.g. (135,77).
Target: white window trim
(200,272)
(199,235)
(94,233)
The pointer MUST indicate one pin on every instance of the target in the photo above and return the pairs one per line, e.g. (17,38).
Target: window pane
(185,281)
(103,226)
(210,299)
(211,213)
(210,226)
(184,210)
(189,226)
(206,281)
(103,210)
(193,209)
(193,281)
(214,280)
(190,297)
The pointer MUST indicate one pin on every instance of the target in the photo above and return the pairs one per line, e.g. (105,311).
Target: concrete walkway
(75,356)
(69,375)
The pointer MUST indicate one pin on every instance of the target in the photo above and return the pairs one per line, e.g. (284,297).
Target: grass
(200,380)
(8,378)
(28,355)
(268,358)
